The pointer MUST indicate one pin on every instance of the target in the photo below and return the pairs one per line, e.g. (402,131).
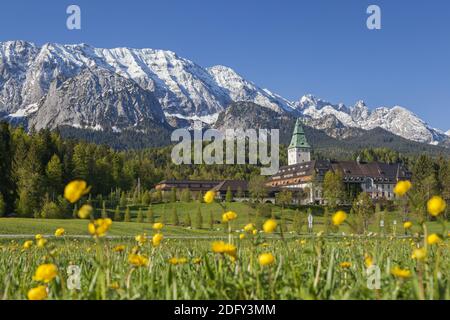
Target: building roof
(298,137)
(352,171)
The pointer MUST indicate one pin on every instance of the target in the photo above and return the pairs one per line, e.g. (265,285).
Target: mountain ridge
(183,89)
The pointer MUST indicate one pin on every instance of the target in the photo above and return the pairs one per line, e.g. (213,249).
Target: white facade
(298,155)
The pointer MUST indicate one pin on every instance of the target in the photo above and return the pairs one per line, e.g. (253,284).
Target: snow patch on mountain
(397,120)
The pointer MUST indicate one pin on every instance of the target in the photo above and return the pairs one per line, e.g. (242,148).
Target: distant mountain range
(143,90)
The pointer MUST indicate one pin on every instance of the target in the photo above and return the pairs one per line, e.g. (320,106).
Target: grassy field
(18,226)
(315,268)
(188,264)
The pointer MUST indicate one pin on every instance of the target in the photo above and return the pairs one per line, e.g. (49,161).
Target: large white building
(376,178)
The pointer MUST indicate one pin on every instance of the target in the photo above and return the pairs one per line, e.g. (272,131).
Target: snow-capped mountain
(397,120)
(87,87)
(448,133)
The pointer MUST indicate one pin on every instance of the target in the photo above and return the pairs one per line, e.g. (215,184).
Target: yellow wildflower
(75,190)
(338,218)
(436,205)
(407,225)
(141,239)
(38,236)
(270,226)
(59,232)
(249,228)
(197,260)
(45,273)
(433,239)
(368,260)
(119,248)
(38,293)
(41,243)
(419,254)
(157,238)
(27,244)
(401,273)
(266,259)
(209,196)
(345,264)
(255,232)
(176,261)
(99,227)
(85,211)
(158,226)
(242,236)
(229,216)
(224,248)
(402,187)
(138,260)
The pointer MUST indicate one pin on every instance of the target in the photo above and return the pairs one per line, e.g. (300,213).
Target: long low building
(239,188)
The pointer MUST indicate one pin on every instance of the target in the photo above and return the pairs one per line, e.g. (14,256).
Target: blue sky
(291,47)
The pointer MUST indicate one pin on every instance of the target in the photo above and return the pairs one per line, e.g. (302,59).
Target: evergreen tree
(211,221)
(2,206)
(175,219)
(140,216)
(104,212)
(298,221)
(229,195)
(188,221)
(173,195)
(198,219)
(127,216)
(117,214)
(150,215)
(123,200)
(54,175)
(186,195)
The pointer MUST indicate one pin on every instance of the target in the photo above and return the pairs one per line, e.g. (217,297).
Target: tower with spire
(299,150)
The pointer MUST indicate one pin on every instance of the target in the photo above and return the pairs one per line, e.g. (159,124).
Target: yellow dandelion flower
(75,190)
(60,232)
(99,227)
(38,236)
(209,196)
(158,226)
(41,243)
(419,254)
(255,232)
(402,187)
(27,244)
(156,240)
(197,260)
(368,260)
(45,273)
(114,286)
(436,205)
(345,264)
(242,236)
(407,225)
(249,228)
(177,261)
(338,218)
(433,239)
(85,211)
(138,260)
(224,248)
(400,273)
(266,259)
(141,239)
(270,226)
(38,293)
(119,248)
(229,216)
